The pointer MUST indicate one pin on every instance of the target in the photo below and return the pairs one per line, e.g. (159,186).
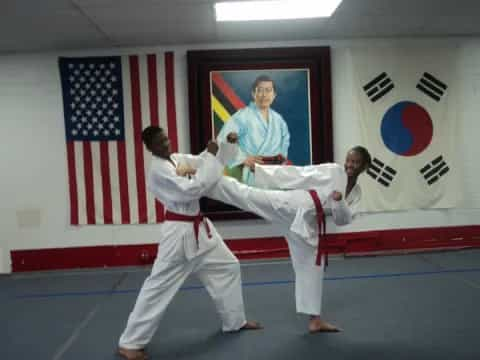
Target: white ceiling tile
(76,24)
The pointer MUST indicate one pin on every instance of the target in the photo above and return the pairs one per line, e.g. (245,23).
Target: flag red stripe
(227,91)
(137,135)
(153,89)
(89,187)
(72,183)
(154,116)
(170,99)
(123,182)
(106,185)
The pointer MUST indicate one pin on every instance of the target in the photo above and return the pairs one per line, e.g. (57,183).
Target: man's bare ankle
(132,354)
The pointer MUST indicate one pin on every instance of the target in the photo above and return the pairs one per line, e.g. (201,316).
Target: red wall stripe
(368,242)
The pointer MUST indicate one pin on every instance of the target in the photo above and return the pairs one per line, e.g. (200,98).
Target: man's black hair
(149,133)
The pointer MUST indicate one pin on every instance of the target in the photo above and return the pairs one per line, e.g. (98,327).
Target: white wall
(34,209)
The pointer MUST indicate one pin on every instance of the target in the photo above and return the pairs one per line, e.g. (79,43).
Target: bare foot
(132,354)
(251,325)
(316,324)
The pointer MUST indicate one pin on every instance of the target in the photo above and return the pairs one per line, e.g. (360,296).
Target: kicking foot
(132,354)
(251,325)
(318,325)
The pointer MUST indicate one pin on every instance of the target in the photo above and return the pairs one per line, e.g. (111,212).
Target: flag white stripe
(113,171)
(97,182)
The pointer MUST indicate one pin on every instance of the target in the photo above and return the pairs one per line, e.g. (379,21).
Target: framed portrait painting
(278,100)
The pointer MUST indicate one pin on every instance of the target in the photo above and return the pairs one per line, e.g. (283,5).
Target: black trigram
(378,87)
(434,170)
(380,172)
(431,86)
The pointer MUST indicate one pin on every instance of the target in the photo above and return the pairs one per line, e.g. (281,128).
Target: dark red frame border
(202,62)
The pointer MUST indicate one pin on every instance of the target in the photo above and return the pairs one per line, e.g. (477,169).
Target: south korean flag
(407,111)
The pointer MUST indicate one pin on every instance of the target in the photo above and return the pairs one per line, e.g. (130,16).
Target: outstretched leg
(273,205)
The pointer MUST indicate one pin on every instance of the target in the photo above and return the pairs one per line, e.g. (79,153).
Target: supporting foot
(251,325)
(316,324)
(132,354)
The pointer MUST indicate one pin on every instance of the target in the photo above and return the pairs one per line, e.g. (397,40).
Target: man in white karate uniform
(313,191)
(188,243)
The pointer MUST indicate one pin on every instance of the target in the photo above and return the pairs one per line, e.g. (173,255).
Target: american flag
(107,102)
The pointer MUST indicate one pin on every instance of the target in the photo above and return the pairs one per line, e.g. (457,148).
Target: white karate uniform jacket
(294,211)
(181,195)
(179,253)
(303,235)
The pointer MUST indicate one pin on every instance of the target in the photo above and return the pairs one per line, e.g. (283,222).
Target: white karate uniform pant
(219,271)
(308,275)
(280,207)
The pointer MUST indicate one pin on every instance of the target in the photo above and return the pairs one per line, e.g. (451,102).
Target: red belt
(195,219)
(322,246)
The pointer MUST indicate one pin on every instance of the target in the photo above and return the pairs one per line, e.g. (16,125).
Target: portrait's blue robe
(256,136)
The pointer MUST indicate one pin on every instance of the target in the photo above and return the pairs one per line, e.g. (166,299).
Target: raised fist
(185,170)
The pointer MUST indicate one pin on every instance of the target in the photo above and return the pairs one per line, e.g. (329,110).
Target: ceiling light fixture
(274,9)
